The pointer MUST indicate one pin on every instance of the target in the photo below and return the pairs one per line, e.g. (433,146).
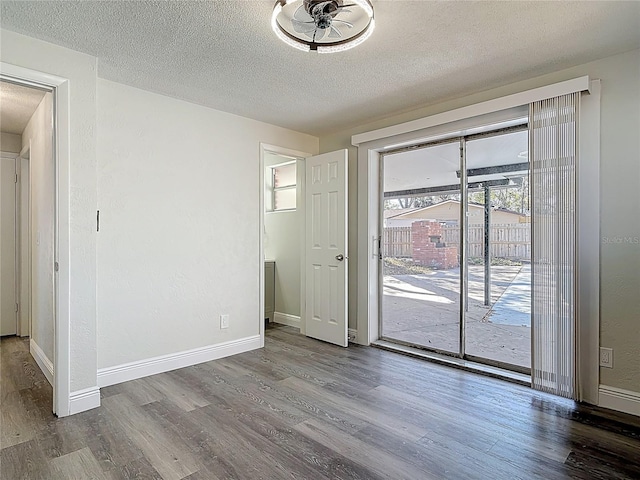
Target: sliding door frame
(463,248)
(471,118)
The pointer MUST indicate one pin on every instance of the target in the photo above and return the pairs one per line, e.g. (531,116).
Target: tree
(514,197)
(406,202)
(418,202)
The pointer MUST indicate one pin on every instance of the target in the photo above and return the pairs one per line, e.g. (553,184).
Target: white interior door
(8,314)
(326,247)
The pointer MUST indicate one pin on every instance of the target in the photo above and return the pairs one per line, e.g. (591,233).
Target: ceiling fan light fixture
(275,27)
(324,26)
(354,43)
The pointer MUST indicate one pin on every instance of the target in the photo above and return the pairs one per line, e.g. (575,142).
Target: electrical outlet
(224,321)
(606,357)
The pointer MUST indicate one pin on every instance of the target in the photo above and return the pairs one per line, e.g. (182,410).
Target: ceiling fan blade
(340,7)
(350,25)
(303,27)
(319,34)
(334,32)
(301,15)
(340,11)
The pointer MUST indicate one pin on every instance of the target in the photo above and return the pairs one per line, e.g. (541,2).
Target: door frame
(24,184)
(59,87)
(16,246)
(22,243)
(463,250)
(469,118)
(300,205)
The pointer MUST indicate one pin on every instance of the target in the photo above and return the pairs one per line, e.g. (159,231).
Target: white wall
(78,221)
(179,194)
(282,244)
(38,134)
(619,202)
(10,142)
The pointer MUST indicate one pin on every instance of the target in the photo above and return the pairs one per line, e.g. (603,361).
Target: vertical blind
(553,150)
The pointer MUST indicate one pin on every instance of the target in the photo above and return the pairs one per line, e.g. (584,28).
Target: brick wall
(428,247)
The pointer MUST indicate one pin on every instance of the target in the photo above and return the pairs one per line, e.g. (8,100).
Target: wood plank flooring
(300,408)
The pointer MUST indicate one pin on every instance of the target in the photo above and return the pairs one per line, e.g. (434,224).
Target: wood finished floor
(300,408)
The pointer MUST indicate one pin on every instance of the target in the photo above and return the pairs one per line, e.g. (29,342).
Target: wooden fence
(397,242)
(507,241)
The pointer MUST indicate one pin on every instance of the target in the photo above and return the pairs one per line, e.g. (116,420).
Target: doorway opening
(303,242)
(455,274)
(283,233)
(28,227)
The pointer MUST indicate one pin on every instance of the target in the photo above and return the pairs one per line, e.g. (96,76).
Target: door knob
(340,257)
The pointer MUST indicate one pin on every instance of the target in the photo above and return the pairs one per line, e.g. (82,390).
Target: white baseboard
(353,335)
(286,319)
(618,399)
(42,360)
(83,400)
(165,363)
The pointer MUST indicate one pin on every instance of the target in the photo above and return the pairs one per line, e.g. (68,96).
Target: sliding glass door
(498,321)
(420,270)
(456,248)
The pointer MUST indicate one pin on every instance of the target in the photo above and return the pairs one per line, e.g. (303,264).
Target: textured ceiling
(223,54)
(17,105)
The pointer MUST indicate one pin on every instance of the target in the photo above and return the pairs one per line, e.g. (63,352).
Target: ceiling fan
(324,26)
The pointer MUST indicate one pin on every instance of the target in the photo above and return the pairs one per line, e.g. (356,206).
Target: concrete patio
(423,309)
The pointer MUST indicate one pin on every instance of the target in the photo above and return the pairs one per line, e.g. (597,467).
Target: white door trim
(579,84)
(24,314)
(265,147)
(13,157)
(61,159)
(23,242)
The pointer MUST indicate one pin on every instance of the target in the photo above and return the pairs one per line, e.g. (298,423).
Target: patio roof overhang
(498,161)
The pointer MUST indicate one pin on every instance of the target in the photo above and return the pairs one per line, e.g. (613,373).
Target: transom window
(283,181)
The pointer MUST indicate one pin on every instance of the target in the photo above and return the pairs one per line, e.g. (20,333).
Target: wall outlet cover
(224,321)
(606,357)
